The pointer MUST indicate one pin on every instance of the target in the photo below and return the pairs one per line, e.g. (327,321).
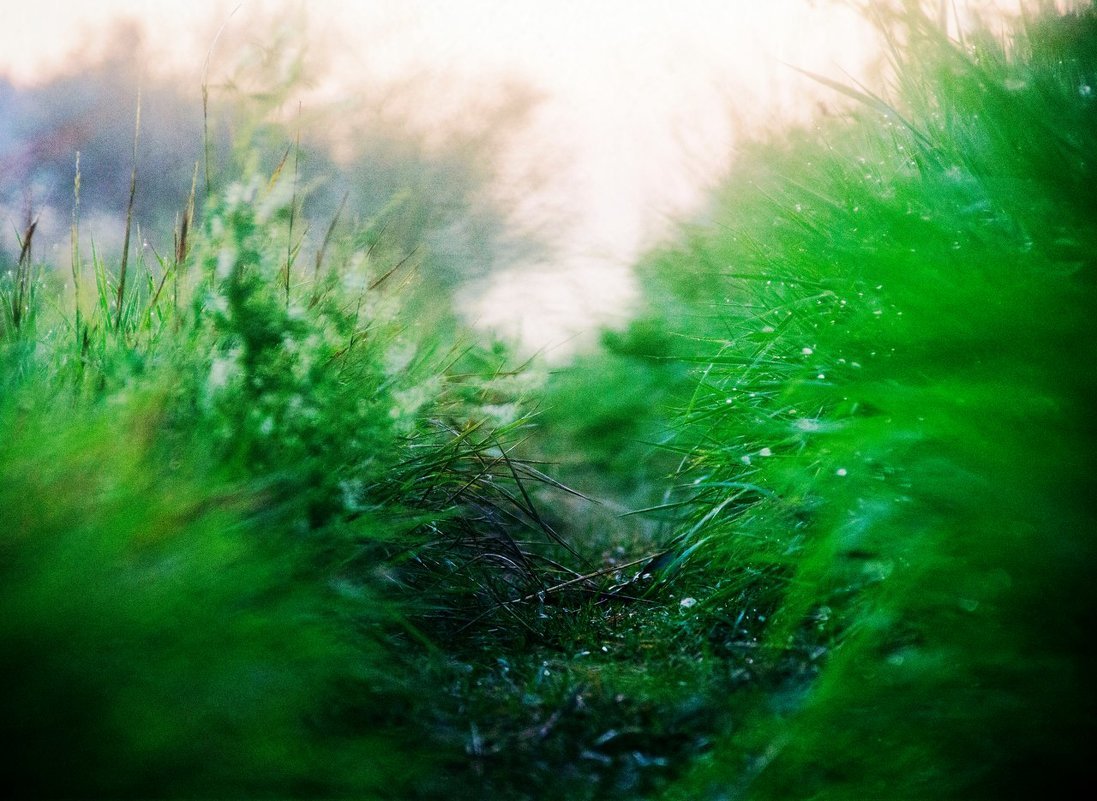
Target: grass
(235,518)
(273,532)
(895,431)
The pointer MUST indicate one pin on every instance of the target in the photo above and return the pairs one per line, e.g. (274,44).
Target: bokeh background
(542,146)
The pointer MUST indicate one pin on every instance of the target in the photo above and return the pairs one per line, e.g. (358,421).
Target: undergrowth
(896,435)
(240,499)
(272,529)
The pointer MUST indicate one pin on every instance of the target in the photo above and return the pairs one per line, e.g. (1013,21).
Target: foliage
(605,416)
(228,496)
(896,435)
(275,530)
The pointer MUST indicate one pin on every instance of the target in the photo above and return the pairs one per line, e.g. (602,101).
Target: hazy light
(641,103)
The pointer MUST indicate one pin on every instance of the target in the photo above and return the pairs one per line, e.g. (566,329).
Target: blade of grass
(291,251)
(324,246)
(129,219)
(205,97)
(74,247)
(23,271)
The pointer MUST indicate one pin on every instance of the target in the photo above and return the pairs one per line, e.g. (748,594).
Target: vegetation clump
(893,438)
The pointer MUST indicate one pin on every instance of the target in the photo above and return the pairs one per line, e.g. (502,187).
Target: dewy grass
(896,426)
(273,535)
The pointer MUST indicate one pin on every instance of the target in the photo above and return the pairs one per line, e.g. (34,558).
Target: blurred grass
(236,495)
(160,640)
(275,529)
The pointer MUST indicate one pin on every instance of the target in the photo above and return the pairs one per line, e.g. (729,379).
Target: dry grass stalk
(121,296)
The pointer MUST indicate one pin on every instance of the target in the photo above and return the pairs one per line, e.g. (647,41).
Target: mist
(538,150)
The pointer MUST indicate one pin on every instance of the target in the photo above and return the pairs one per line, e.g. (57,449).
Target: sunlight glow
(640,103)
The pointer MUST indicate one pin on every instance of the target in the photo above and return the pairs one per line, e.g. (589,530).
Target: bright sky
(644,100)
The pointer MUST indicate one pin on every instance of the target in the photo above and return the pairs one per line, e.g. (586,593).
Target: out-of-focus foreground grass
(226,490)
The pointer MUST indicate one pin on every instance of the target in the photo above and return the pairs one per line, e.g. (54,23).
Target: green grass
(271,529)
(239,499)
(896,426)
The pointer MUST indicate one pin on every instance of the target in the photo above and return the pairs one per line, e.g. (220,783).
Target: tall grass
(239,512)
(896,468)
(276,529)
